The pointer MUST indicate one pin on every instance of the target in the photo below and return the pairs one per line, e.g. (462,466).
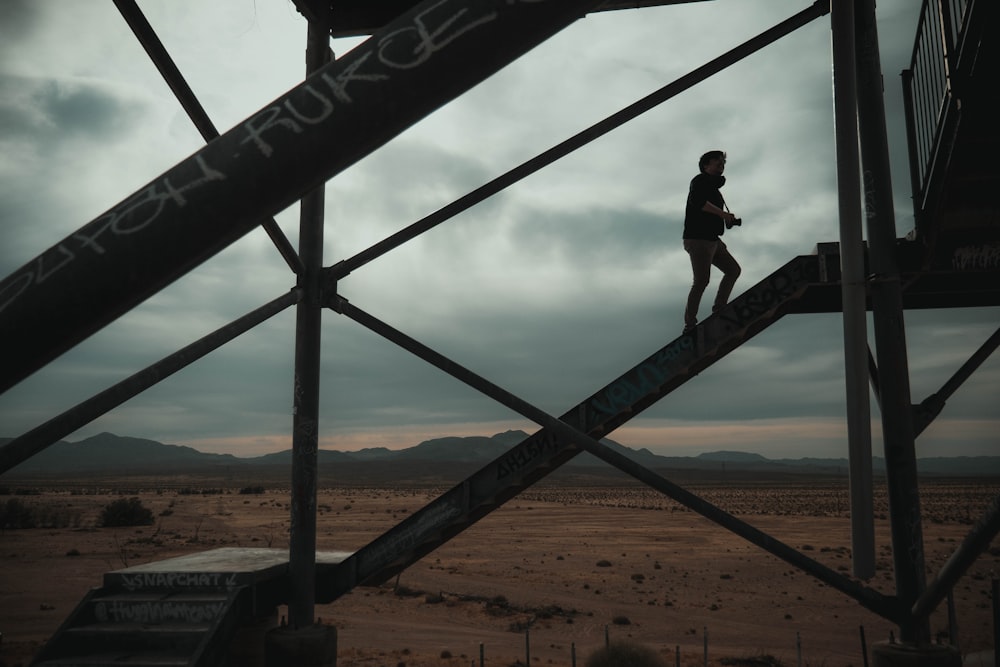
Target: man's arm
(709,207)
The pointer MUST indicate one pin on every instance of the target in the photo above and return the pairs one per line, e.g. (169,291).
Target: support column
(890,334)
(303,643)
(853,289)
(305,420)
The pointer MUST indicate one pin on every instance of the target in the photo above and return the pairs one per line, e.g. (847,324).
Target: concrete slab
(225,568)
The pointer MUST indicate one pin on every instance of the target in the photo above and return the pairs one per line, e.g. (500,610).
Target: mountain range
(108,453)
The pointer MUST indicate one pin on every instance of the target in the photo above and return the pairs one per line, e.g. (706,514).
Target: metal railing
(928,90)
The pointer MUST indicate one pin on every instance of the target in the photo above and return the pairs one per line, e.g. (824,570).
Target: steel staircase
(541,453)
(185,611)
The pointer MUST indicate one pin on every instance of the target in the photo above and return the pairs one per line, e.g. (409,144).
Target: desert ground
(556,571)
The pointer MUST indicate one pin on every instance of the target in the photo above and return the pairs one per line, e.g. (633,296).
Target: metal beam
(568,435)
(22,448)
(183,217)
(853,290)
(931,407)
(305,390)
(974,544)
(352,18)
(890,333)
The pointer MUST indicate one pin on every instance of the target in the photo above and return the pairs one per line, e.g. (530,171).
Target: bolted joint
(328,288)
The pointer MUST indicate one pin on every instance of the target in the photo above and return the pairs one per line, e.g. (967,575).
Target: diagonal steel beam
(22,448)
(928,409)
(609,407)
(175,80)
(186,215)
(569,436)
(975,543)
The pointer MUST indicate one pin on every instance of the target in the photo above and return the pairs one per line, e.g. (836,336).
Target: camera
(735,222)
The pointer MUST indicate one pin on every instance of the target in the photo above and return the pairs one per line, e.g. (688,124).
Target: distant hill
(108,453)
(732,457)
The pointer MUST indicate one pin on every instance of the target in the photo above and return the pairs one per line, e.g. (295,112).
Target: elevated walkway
(954,134)
(186,610)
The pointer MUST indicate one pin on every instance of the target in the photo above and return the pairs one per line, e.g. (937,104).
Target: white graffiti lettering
(160,611)
(140,580)
(426,41)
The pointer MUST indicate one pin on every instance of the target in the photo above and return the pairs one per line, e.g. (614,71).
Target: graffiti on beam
(131,216)
(972,257)
(412,532)
(648,378)
(644,379)
(526,455)
(408,47)
(764,297)
(429,32)
(159,611)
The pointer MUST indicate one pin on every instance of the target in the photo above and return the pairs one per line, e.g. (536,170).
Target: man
(705,220)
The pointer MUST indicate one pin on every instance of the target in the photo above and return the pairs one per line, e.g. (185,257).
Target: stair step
(157,596)
(119,658)
(169,638)
(158,607)
(166,629)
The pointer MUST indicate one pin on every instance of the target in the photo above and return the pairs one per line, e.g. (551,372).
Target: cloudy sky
(551,289)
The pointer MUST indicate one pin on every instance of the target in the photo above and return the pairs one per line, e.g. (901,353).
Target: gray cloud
(550,290)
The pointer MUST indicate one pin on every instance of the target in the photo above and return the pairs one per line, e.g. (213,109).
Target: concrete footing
(313,646)
(247,647)
(885,654)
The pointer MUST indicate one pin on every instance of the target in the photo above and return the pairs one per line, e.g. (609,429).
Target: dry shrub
(625,654)
(126,512)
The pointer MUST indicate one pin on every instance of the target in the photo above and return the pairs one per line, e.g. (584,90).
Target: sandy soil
(571,566)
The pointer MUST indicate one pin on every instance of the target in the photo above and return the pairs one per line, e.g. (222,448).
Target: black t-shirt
(699,224)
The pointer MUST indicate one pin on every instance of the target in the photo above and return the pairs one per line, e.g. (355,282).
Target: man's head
(714,159)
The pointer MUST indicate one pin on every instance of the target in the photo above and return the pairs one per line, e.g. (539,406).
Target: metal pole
(853,290)
(890,335)
(305,420)
(424,58)
(953,621)
(24,447)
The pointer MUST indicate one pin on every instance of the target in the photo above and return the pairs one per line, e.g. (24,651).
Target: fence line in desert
(677,650)
(952,631)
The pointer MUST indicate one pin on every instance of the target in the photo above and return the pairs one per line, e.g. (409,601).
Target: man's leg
(701,253)
(730,272)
